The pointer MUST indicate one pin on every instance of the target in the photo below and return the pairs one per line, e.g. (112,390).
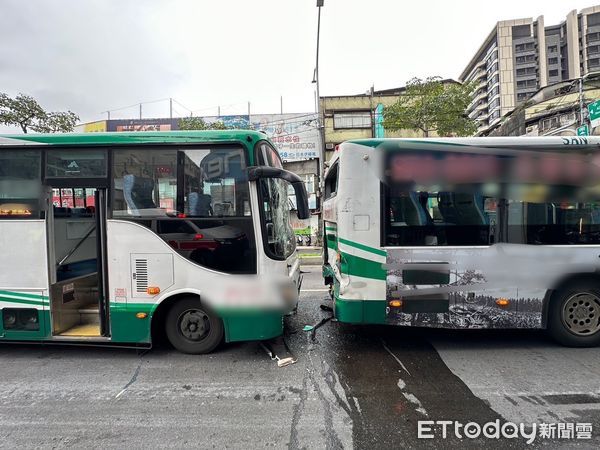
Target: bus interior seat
(138,192)
(200,204)
(410,219)
(447,207)
(464,214)
(469,208)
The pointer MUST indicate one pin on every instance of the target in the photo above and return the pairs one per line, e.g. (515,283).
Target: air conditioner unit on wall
(329,146)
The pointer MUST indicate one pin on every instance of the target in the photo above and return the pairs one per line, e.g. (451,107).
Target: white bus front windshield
(276,209)
(279,235)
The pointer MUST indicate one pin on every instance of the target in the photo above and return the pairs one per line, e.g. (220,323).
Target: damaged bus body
(109,237)
(466,233)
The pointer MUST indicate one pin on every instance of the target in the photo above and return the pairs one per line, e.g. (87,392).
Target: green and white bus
(107,238)
(466,233)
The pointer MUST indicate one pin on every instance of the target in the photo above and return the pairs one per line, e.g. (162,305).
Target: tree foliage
(431,105)
(26,113)
(198,123)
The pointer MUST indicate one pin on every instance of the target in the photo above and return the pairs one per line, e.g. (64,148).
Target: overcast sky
(90,56)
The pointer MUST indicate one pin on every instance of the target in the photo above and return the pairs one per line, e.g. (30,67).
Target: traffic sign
(583,131)
(594,113)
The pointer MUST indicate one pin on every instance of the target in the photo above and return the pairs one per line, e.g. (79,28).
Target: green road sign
(583,131)
(594,113)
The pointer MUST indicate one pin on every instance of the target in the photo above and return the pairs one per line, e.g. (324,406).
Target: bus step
(82,330)
(89,314)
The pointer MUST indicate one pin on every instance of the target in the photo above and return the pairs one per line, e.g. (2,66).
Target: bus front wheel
(193,328)
(574,315)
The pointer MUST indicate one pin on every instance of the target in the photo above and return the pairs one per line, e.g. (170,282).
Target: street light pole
(320,118)
(321,126)
(581,102)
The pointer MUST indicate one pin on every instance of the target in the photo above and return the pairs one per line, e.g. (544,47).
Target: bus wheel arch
(572,311)
(188,323)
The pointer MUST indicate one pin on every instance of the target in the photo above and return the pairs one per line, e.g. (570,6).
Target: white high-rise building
(520,56)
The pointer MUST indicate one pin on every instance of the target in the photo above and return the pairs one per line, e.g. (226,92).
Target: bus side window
(331,181)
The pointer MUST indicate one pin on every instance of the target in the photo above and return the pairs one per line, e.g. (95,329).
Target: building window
(494,104)
(525,59)
(493,68)
(494,91)
(552,49)
(593,19)
(522,96)
(594,62)
(593,37)
(553,73)
(553,61)
(526,83)
(526,71)
(593,49)
(519,48)
(360,119)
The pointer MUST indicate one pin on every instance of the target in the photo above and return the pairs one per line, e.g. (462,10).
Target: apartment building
(521,56)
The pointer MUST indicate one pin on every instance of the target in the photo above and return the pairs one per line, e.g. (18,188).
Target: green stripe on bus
(330,229)
(21,301)
(331,242)
(361,267)
(360,311)
(363,247)
(24,295)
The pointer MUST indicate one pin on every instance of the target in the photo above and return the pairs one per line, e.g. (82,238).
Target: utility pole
(140,111)
(107,115)
(170,108)
(321,125)
(218,111)
(248,110)
(281,104)
(581,121)
(319,112)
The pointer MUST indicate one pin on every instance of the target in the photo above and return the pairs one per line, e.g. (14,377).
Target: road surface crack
(131,381)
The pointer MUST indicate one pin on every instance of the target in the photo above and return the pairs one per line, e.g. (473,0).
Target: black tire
(574,315)
(193,328)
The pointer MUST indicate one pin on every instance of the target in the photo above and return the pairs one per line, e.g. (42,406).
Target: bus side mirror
(256,173)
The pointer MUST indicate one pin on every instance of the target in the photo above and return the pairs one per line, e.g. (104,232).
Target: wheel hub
(194,325)
(581,314)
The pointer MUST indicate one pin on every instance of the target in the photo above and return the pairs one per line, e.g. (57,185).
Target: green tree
(198,123)
(26,113)
(431,105)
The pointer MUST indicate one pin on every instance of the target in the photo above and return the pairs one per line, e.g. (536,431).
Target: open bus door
(76,226)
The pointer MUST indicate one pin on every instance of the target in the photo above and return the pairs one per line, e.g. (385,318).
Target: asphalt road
(352,386)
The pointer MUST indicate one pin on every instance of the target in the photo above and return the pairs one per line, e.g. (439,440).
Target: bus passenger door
(76,225)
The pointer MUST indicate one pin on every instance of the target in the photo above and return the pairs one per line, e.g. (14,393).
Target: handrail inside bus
(74,249)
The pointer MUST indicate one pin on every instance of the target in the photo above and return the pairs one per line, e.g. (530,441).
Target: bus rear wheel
(574,315)
(193,328)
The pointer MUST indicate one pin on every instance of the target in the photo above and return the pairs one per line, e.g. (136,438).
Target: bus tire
(574,315)
(192,327)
